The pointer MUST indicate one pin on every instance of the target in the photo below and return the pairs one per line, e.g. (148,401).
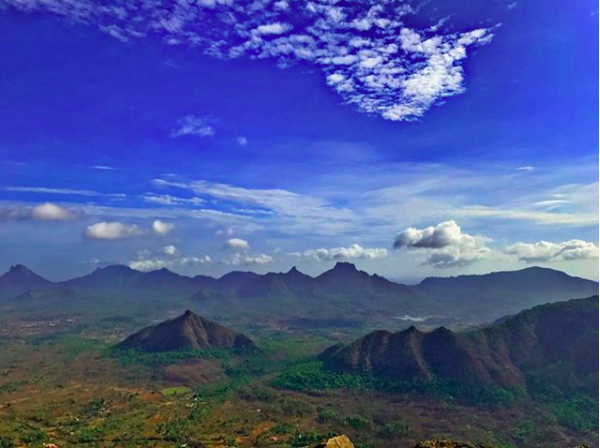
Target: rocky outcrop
(336,442)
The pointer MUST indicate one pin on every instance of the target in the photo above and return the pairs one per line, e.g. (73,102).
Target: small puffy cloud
(353,251)
(242,141)
(273,28)
(444,234)
(445,245)
(42,212)
(112,231)
(526,168)
(193,125)
(169,250)
(237,244)
(162,228)
(51,212)
(545,251)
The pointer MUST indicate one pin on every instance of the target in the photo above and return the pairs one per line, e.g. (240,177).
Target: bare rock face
(337,442)
(187,332)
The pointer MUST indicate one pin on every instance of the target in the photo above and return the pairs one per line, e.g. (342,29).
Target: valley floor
(74,392)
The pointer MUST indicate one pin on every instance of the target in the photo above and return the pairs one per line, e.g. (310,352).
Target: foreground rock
(337,442)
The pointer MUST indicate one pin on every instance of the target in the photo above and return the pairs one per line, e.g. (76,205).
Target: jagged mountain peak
(345,266)
(19,268)
(19,272)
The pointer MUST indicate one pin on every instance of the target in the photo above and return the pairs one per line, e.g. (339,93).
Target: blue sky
(413,139)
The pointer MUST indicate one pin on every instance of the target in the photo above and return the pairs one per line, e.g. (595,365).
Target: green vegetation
(281,395)
(310,376)
(394,430)
(579,413)
(175,390)
(151,359)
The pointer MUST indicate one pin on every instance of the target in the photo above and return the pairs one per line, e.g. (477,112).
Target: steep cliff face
(188,331)
(563,334)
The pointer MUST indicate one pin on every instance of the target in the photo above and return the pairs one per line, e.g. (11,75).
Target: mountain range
(187,332)
(342,292)
(558,341)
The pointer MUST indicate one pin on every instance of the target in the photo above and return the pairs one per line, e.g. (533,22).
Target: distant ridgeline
(555,345)
(343,292)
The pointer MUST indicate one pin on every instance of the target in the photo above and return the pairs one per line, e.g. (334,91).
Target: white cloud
(545,251)
(45,190)
(169,250)
(112,231)
(246,260)
(162,228)
(577,219)
(353,251)
(237,244)
(103,167)
(242,141)
(51,212)
(273,28)
(63,191)
(526,168)
(193,125)
(142,263)
(388,69)
(444,234)
(445,245)
(167,199)
(42,212)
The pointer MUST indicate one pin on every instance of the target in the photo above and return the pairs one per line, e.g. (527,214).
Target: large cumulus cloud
(445,244)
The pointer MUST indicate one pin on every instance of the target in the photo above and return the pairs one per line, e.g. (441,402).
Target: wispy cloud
(193,125)
(46,190)
(545,251)
(167,199)
(103,167)
(351,252)
(62,191)
(167,257)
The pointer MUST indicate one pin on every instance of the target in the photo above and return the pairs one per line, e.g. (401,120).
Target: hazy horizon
(299,136)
